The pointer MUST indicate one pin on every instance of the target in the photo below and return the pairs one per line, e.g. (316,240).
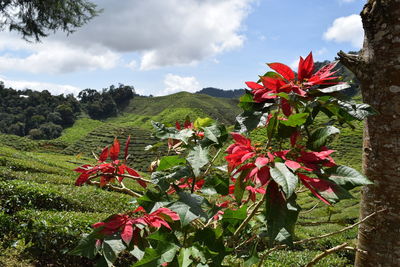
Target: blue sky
(165,46)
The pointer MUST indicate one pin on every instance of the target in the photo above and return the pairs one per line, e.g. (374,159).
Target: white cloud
(347,1)
(321,51)
(55,89)
(52,56)
(163,33)
(175,83)
(346,29)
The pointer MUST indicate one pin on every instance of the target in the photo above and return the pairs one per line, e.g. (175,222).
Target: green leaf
(232,218)
(168,162)
(281,215)
(186,215)
(284,177)
(165,252)
(246,101)
(112,246)
(296,119)
(150,257)
(249,120)
(270,74)
(334,88)
(240,186)
(272,125)
(184,257)
(346,177)
(320,136)
(165,178)
(195,203)
(87,246)
(203,122)
(216,133)
(198,158)
(357,111)
(219,183)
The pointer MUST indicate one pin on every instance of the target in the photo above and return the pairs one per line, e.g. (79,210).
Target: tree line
(41,115)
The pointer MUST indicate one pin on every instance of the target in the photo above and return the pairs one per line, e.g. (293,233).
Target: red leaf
(114,150)
(286,108)
(103,181)
(177,125)
(306,67)
(254,86)
(104,154)
(292,165)
(127,233)
(82,179)
(128,141)
(294,137)
(272,83)
(241,139)
(310,184)
(83,168)
(283,70)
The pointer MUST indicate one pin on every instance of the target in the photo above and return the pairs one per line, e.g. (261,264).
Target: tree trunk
(378,69)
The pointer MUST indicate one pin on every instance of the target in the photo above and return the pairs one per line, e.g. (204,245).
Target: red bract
(108,172)
(316,160)
(187,183)
(130,226)
(239,152)
(253,191)
(287,83)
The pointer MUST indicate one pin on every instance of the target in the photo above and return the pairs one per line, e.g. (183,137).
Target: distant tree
(67,115)
(35,134)
(50,130)
(89,96)
(34,19)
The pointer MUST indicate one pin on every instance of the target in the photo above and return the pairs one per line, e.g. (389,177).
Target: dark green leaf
(198,158)
(164,179)
(346,177)
(246,101)
(240,186)
(357,111)
(216,133)
(87,246)
(219,183)
(281,215)
(168,162)
(284,177)
(272,126)
(195,202)
(112,246)
(248,121)
(320,136)
(186,215)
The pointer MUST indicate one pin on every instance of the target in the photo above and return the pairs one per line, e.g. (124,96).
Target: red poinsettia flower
(239,152)
(286,81)
(108,172)
(188,183)
(130,226)
(315,160)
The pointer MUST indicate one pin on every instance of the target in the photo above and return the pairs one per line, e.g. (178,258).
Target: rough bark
(378,69)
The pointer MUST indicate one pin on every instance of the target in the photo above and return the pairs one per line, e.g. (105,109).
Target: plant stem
(250,216)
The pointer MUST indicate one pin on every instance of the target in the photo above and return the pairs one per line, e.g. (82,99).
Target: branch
(116,189)
(250,216)
(318,237)
(326,253)
(352,62)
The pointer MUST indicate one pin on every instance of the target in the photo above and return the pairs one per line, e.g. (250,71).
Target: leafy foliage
(178,222)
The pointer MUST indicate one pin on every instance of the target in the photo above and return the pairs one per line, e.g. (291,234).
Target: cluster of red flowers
(130,227)
(255,162)
(286,81)
(108,172)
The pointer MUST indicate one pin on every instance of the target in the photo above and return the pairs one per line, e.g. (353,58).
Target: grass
(80,129)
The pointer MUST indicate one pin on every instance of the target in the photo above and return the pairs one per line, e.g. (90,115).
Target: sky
(165,46)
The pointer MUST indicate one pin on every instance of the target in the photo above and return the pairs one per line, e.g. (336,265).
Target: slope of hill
(216,92)
(224,110)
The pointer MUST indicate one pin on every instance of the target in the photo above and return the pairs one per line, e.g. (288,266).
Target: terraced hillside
(104,135)
(222,109)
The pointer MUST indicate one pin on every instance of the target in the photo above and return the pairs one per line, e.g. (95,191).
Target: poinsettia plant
(195,213)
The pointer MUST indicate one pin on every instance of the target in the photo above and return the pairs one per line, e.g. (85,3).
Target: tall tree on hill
(378,69)
(33,19)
